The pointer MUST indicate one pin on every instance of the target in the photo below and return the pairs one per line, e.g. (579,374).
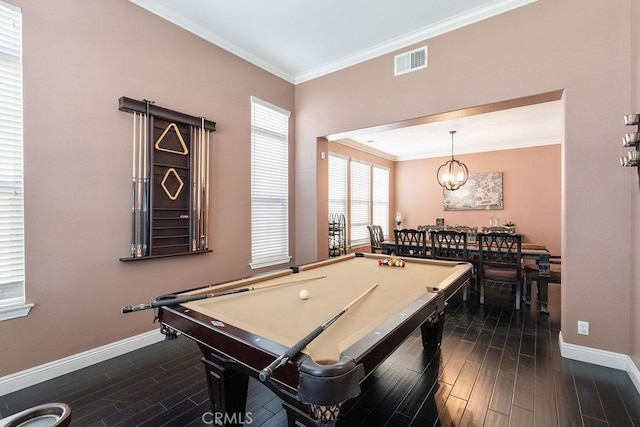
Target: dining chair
(472,232)
(531,274)
(500,261)
(376,235)
(451,245)
(411,243)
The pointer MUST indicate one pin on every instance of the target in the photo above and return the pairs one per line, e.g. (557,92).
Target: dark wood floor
(497,367)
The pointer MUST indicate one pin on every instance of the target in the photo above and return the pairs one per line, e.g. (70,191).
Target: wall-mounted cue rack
(170,181)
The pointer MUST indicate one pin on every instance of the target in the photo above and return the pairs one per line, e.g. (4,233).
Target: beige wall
(548,45)
(635,194)
(79,58)
(531,192)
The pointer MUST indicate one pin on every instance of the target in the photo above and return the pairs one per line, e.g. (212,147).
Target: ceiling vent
(410,61)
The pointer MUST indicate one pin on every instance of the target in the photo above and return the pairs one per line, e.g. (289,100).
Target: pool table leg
(227,389)
(432,333)
(297,417)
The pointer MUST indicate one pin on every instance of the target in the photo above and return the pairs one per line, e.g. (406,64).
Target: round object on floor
(49,415)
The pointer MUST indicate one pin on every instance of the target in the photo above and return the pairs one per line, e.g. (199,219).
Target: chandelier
(452,174)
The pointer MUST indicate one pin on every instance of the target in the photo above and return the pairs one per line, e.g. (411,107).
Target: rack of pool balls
(392,262)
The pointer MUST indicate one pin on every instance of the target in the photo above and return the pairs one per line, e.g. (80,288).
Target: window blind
(12,275)
(360,202)
(380,191)
(337,184)
(269,184)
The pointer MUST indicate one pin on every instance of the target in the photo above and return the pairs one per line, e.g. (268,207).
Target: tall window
(364,189)
(269,184)
(338,190)
(12,276)
(380,196)
(360,202)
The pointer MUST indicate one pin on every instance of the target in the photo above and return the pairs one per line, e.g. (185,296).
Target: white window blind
(337,184)
(380,191)
(360,202)
(12,275)
(269,184)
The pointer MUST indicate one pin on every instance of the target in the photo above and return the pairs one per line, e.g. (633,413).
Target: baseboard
(634,374)
(602,358)
(38,374)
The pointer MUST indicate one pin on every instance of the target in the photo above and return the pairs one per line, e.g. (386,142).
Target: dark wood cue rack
(170,186)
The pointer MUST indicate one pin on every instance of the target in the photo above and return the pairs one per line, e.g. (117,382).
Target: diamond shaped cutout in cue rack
(172,195)
(170,181)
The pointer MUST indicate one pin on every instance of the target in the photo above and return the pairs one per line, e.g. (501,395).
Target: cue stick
(202,183)
(176,301)
(199,216)
(145,174)
(194,219)
(139,187)
(297,348)
(198,189)
(206,192)
(133,191)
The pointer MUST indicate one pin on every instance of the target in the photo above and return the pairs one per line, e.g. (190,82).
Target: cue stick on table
(176,301)
(297,348)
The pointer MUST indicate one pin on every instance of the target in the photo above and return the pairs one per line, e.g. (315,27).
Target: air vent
(410,61)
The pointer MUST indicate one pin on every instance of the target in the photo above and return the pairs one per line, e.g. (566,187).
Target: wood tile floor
(497,367)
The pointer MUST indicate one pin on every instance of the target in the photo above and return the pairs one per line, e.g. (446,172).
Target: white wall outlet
(583,327)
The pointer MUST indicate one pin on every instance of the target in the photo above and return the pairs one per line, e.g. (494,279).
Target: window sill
(270,262)
(15,311)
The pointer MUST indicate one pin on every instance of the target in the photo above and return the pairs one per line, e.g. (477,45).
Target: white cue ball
(304,294)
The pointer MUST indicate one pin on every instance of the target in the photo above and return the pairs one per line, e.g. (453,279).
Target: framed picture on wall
(482,191)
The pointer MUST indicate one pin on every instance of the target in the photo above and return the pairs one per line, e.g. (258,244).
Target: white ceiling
(531,125)
(300,40)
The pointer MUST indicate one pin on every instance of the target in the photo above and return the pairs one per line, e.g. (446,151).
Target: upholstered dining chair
(500,261)
(376,235)
(531,274)
(450,245)
(411,243)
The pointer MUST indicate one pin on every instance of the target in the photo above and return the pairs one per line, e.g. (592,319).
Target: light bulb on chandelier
(452,174)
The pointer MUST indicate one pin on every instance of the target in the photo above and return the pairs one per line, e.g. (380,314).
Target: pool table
(242,333)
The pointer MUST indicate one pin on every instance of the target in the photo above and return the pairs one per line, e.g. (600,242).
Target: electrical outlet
(583,327)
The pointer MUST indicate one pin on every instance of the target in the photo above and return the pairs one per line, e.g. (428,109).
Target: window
(364,189)
(360,202)
(269,184)
(380,192)
(338,184)
(12,275)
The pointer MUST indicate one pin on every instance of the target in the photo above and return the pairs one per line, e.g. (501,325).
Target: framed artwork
(482,191)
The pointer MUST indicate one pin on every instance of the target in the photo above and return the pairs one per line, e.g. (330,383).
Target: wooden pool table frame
(312,393)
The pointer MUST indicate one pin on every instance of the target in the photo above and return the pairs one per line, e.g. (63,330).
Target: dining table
(531,251)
